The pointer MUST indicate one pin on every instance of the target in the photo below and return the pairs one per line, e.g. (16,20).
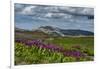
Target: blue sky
(28,16)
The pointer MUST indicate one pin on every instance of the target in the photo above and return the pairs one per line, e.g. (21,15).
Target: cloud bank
(53,11)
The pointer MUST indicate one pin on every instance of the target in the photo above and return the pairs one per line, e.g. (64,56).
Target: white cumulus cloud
(28,10)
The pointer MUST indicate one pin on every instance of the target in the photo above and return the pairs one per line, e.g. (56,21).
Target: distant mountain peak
(48,27)
(64,32)
(54,31)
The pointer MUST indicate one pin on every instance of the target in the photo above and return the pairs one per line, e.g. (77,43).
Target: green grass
(72,41)
(32,55)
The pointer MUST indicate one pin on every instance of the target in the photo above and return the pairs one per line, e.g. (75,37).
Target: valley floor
(34,54)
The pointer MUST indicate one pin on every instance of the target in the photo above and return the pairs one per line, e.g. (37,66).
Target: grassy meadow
(40,48)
